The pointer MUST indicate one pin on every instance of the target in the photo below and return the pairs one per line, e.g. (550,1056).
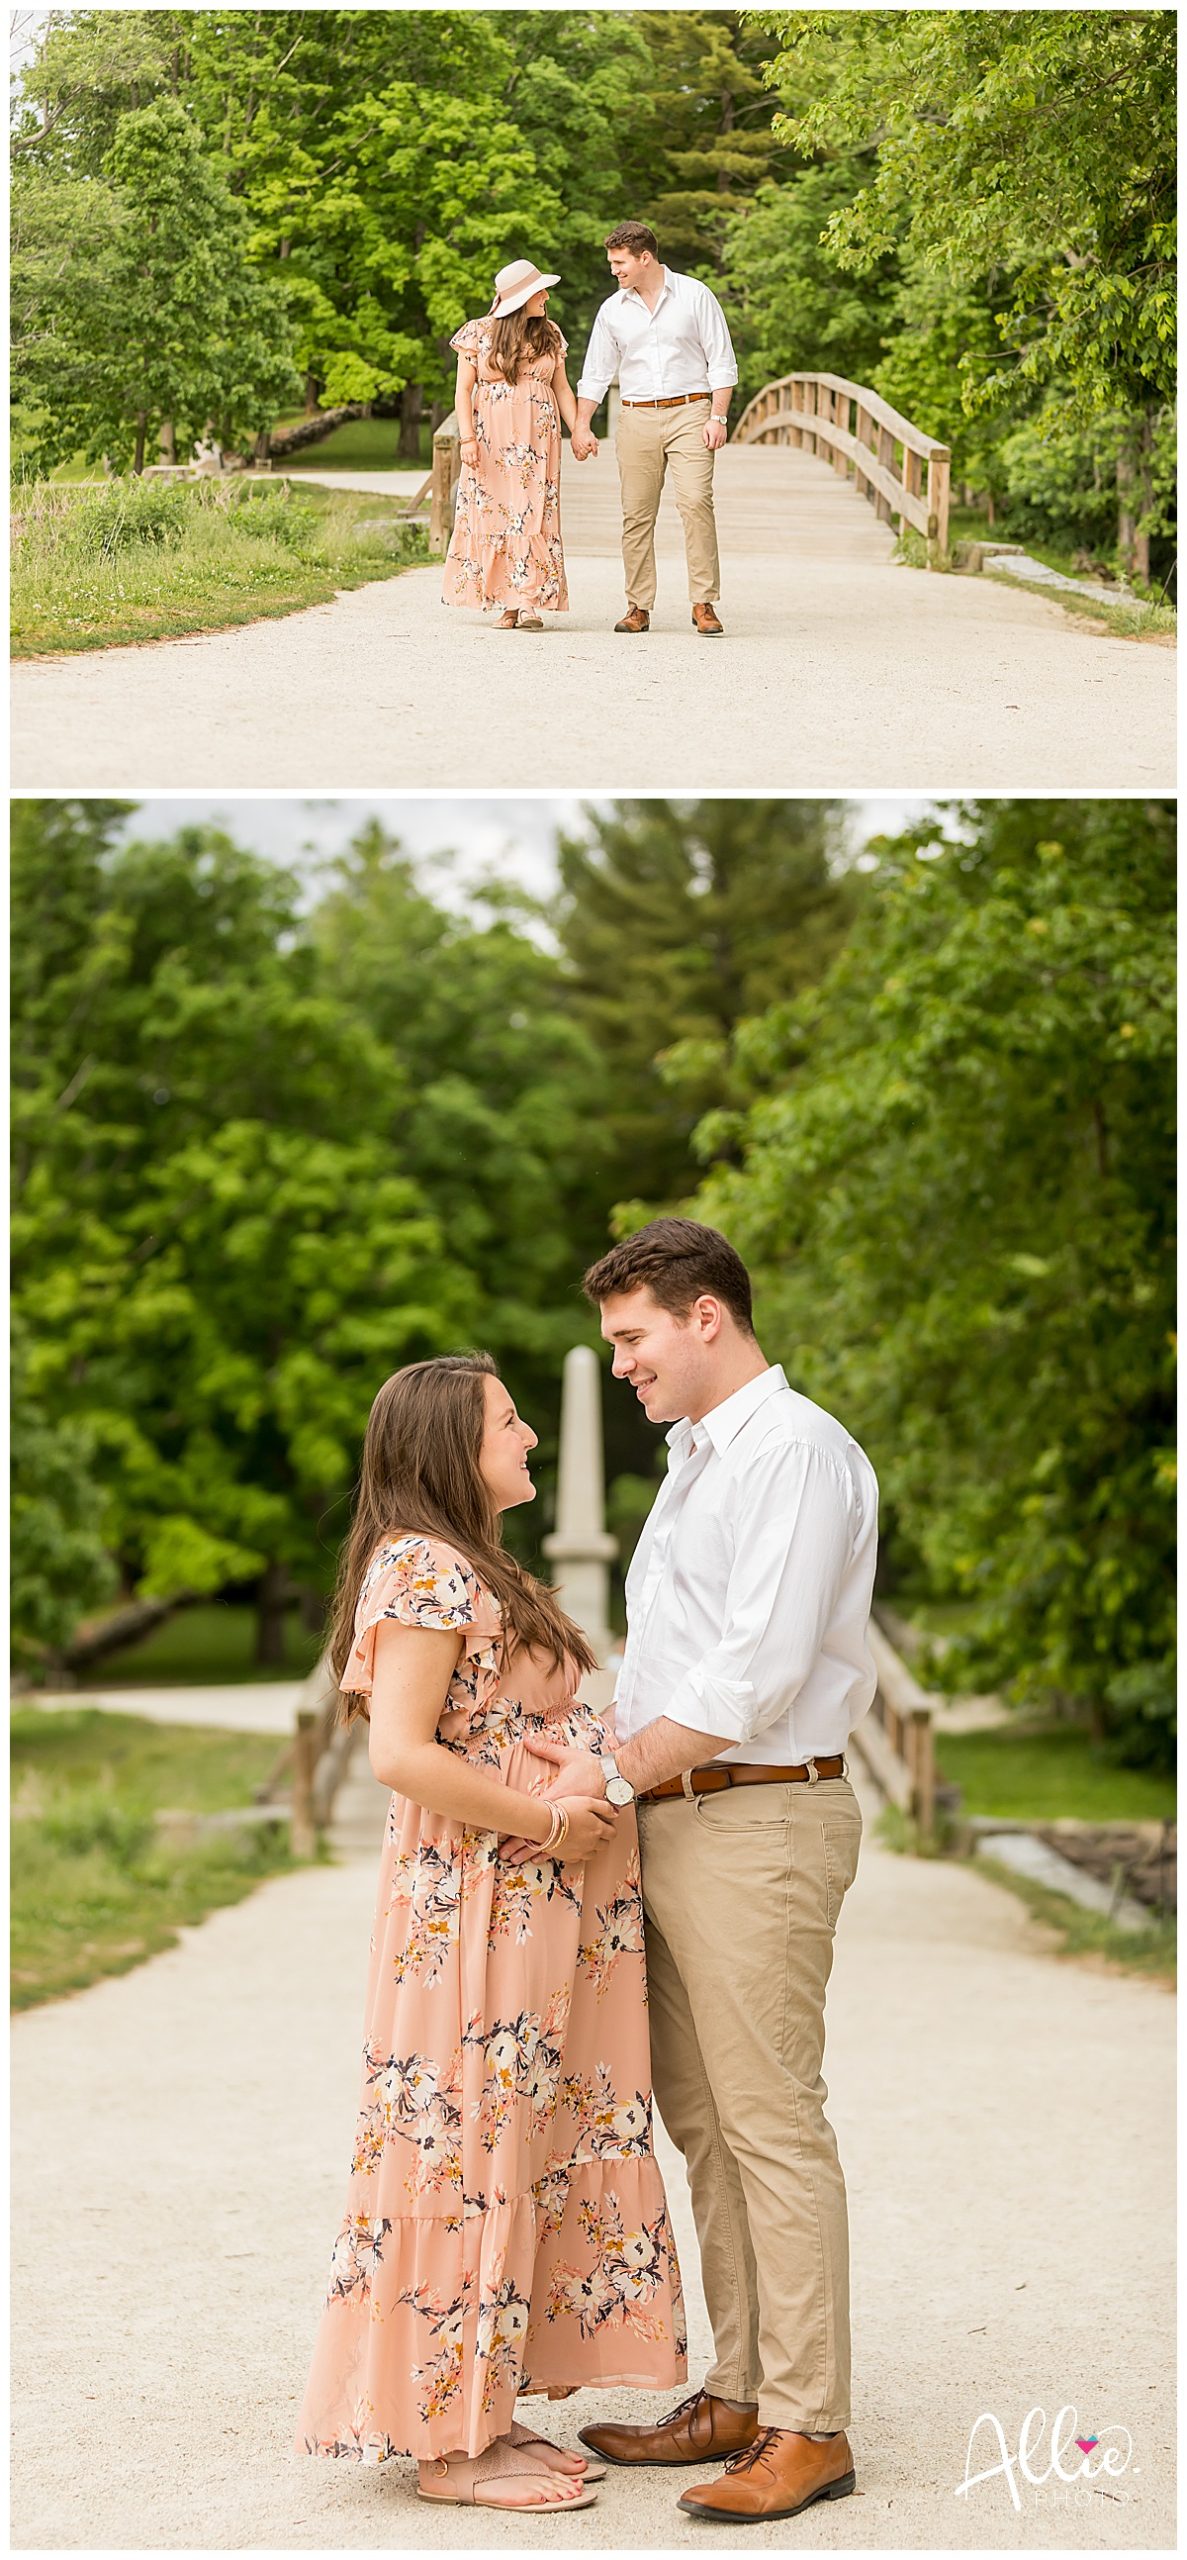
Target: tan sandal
(508,621)
(530,622)
(523,2436)
(503,2461)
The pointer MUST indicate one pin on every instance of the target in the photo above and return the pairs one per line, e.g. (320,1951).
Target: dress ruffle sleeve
(467,341)
(421,1582)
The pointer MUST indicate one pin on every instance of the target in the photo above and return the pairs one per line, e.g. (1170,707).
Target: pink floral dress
(506,547)
(505,2225)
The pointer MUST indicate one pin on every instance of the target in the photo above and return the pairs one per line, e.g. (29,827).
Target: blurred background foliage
(221,213)
(277,1131)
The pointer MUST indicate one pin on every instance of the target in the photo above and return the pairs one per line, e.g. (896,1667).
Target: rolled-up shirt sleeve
(720,359)
(601,361)
(794,1539)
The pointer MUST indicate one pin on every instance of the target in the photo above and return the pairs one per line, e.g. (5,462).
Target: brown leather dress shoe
(778,2475)
(705,621)
(636,618)
(700,2430)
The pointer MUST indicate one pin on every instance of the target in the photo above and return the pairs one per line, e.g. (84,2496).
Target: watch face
(619,1791)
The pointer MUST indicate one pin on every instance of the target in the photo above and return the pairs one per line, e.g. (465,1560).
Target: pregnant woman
(512,393)
(505,2227)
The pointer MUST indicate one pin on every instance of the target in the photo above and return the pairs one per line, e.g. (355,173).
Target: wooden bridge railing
(856,428)
(896,1739)
(313,1760)
(440,488)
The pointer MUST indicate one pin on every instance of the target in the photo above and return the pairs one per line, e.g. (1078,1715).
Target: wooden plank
(885,1768)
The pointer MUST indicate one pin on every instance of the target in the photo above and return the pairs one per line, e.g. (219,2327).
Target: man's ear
(708,1313)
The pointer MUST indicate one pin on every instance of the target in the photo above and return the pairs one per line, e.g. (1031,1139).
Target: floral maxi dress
(505,2225)
(506,547)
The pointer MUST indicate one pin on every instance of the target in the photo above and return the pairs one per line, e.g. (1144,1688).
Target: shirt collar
(631,293)
(725,1420)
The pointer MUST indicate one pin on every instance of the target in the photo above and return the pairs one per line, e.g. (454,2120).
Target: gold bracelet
(555,1832)
(563,1833)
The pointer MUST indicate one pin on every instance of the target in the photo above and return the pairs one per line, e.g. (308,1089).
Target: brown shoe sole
(633,630)
(651,2461)
(842,2488)
(715,631)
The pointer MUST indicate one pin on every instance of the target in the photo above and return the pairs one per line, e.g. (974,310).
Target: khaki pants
(741,1894)
(650,442)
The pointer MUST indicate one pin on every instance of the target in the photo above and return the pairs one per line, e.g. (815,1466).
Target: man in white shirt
(745,1669)
(663,337)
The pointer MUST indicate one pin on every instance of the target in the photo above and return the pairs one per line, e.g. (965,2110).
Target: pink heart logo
(1086,2443)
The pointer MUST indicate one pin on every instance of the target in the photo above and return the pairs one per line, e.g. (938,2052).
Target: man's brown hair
(679,1262)
(635,236)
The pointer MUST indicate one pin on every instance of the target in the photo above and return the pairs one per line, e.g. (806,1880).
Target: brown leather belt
(679,400)
(743,1773)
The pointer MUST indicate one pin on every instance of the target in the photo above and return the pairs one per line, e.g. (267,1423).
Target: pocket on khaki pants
(841,1826)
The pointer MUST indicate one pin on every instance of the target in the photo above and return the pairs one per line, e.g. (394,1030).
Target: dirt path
(839,671)
(1006,2123)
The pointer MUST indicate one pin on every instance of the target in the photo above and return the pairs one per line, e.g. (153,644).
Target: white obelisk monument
(580,1546)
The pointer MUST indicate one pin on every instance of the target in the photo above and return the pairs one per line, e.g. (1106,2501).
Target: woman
(512,392)
(505,2227)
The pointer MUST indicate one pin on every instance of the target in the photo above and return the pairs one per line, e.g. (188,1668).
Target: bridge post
(882,506)
(939,474)
(447,465)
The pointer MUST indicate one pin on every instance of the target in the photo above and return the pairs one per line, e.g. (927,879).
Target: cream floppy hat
(515,285)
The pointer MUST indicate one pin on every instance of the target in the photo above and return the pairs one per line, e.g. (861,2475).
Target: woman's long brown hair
(420,1475)
(515,340)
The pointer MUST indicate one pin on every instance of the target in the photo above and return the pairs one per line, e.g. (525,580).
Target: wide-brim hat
(515,285)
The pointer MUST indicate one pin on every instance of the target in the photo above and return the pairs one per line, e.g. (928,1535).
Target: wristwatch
(618,1789)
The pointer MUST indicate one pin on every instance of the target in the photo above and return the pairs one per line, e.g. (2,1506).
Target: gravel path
(839,672)
(1006,2122)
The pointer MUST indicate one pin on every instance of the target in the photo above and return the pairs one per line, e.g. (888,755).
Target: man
(664,336)
(745,1668)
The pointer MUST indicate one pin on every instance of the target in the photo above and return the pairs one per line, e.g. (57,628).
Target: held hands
(715,432)
(591,1824)
(585,447)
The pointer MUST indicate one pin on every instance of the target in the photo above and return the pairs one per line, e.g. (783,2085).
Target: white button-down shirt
(681,346)
(748,1595)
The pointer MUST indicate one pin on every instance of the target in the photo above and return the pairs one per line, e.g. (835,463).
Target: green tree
(678,919)
(700,140)
(956,1185)
(151,312)
(58,1564)
(792,308)
(217,1250)
(1026,156)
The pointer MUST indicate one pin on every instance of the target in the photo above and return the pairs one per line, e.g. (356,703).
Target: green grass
(364,444)
(1038,1773)
(1119,621)
(209,1643)
(148,560)
(1151,1951)
(93,1890)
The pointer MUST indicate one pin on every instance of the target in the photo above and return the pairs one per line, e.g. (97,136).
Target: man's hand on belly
(662,1750)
